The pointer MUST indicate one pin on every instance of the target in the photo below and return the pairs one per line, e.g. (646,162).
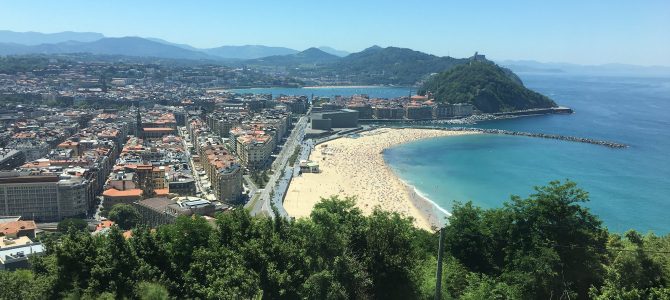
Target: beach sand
(356,167)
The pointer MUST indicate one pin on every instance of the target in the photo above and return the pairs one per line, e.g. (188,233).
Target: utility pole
(438,275)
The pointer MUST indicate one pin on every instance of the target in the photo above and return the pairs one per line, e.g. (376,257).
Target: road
(200,190)
(253,189)
(281,177)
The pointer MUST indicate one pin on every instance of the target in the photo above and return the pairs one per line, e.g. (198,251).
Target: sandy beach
(356,167)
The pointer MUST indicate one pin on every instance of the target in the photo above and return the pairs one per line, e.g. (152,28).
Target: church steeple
(139,131)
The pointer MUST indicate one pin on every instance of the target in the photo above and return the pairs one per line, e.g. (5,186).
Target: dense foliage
(392,65)
(546,246)
(72,224)
(124,215)
(487,86)
(13,65)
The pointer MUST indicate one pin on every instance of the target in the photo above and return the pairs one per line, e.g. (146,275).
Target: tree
(555,241)
(483,287)
(633,273)
(72,224)
(21,284)
(545,246)
(391,255)
(124,215)
(113,267)
(221,274)
(152,291)
(469,239)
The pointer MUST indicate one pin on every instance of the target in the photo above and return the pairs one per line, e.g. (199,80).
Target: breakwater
(474,119)
(531,134)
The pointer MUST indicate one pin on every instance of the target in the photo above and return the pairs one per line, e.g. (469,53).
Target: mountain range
(75,42)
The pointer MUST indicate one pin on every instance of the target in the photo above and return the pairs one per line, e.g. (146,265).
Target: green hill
(311,56)
(487,86)
(392,65)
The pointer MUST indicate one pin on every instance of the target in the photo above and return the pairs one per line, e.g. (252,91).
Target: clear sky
(575,31)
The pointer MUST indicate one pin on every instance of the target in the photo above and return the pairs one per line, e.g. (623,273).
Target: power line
(614,249)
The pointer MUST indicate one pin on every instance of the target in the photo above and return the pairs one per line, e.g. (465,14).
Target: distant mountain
(248,51)
(334,51)
(183,46)
(606,69)
(36,38)
(132,46)
(311,56)
(487,86)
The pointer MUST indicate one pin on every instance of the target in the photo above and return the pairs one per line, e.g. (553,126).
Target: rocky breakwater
(543,135)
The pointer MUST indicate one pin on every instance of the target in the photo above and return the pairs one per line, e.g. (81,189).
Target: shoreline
(346,86)
(434,214)
(356,167)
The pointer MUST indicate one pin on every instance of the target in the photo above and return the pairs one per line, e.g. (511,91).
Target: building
(44,197)
(463,109)
(443,110)
(18,228)
(388,112)
(343,118)
(222,168)
(254,150)
(14,252)
(158,132)
(161,210)
(364,110)
(418,112)
(182,184)
(308,166)
(113,196)
(11,159)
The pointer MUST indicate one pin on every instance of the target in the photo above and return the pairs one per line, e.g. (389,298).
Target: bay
(629,188)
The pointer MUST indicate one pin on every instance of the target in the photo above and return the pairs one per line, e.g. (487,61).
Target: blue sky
(584,32)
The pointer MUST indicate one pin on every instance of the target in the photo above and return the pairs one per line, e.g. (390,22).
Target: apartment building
(45,198)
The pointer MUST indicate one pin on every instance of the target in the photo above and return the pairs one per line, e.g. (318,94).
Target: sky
(582,32)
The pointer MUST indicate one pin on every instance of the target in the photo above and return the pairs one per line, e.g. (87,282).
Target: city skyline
(567,31)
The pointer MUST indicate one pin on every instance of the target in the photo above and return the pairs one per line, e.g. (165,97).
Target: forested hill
(392,65)
(487,86)
(374,65)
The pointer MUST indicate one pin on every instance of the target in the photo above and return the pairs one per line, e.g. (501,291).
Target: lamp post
(438,275)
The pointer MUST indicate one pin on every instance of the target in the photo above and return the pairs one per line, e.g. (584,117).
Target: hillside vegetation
(547,246)
(487,86)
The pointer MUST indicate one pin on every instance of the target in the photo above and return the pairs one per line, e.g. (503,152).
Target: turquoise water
(629,188)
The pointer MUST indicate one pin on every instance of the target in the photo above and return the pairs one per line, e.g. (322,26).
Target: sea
(629,188)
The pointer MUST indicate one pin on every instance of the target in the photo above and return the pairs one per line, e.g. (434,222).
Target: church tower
(139,131)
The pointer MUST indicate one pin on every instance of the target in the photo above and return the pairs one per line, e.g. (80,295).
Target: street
(278,183)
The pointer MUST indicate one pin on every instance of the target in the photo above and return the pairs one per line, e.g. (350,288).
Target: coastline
(433,213)
(356,167)
(342,86)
